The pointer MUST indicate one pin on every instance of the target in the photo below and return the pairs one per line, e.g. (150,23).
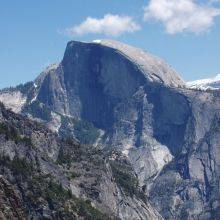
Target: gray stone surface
(168,133)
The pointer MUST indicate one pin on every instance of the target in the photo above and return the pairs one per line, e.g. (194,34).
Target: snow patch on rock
(97,41)
(205,84)
(34,99)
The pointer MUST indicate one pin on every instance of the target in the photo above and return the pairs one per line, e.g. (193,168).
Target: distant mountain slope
(44,177)
(112,96)
(205,84)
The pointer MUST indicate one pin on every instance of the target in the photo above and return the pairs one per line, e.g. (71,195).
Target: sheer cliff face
(93,78)
(127,94)
(139,106)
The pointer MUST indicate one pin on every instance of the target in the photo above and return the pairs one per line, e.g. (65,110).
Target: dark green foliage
(5,130)
(64,158)
(124,177)
(86,210)
(43,185)
(62,199)
(2,105)
(56,192)
(4,160)
(39,190)
(27,140)
(24,88)
(69,141)
(39,110)
(85,132)
(12,134)
(72,175)
(19,166)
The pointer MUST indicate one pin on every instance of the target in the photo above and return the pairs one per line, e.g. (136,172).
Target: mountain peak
(153,68)
(158,141)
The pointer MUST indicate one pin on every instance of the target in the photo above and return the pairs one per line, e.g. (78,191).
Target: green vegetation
(12,134)
(55,192)
(72,175)
(69,141)
(62,199)
(2,105)
(26,140)
(39,110)
(42,188)
(124,177)
(64,158)
(19,166)
(86,210)
(85,132)
(24,88)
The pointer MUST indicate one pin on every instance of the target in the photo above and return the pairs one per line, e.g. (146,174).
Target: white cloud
(182,15)
(110,25)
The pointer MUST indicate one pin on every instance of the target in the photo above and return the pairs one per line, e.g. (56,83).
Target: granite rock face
(45,177)
(118,97)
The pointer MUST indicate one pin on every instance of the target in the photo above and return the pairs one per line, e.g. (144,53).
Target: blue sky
(34,33)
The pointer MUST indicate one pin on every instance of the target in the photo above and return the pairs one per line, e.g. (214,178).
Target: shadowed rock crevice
(171,114)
